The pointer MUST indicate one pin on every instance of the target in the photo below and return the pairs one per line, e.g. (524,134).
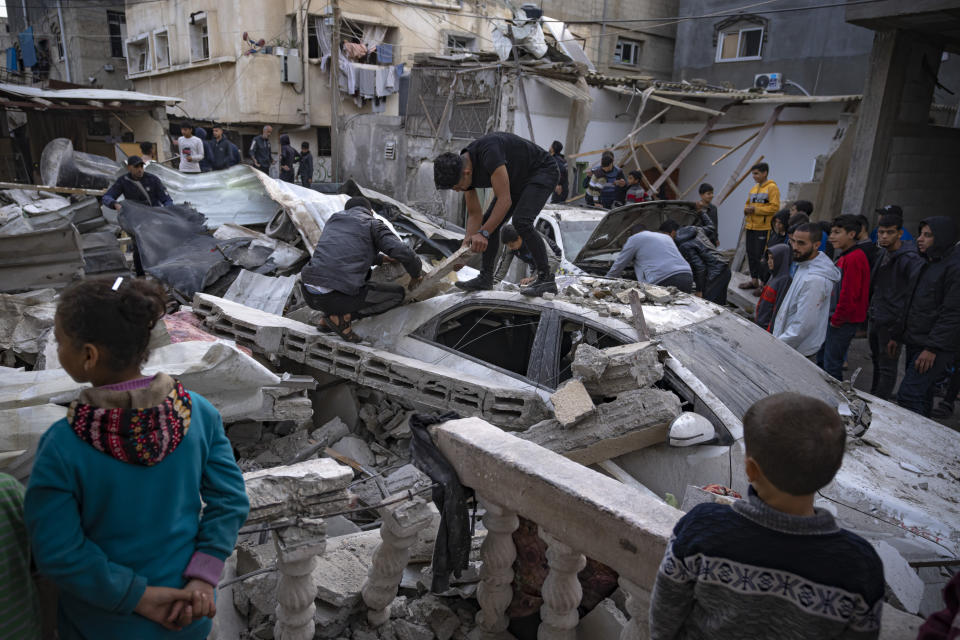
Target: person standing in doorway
(305,169)
(561,191)
(762,203)
(260,151)
(191,149)
(890,284)
(522,176)
(931,331)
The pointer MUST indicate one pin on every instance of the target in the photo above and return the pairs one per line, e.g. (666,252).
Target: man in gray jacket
(802,319)
(655,259)
(335,280)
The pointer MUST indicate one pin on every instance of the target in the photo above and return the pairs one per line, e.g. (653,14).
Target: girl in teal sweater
(135,499)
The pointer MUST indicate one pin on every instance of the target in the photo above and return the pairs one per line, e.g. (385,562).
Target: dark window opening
(500,337)
(116,22)
(324,143)
(574,333)
(313,39)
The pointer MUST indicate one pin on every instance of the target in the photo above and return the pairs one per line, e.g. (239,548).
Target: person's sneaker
(540,286)
(943,410)
(476,284)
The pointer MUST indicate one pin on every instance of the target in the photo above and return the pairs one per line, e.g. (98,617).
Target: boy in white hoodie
(802,319)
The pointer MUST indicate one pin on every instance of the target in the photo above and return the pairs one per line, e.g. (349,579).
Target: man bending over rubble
(335,279)
(523,177)
(137,186)
(772,565)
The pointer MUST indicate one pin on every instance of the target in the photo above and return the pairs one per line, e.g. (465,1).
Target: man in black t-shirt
(522,176)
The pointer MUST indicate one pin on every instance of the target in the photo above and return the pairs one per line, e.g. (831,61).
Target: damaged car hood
(612,232)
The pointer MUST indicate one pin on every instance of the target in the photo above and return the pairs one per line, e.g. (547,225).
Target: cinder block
(572,403)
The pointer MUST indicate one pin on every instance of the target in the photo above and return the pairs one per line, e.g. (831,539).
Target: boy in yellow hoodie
(762,203)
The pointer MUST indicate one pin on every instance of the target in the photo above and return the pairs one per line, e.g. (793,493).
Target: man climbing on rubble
(655,259)
(335,281)
(138,186)
(516,249)
(522,176)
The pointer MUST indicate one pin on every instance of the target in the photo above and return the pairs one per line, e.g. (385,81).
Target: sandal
(323,326)
(342,329)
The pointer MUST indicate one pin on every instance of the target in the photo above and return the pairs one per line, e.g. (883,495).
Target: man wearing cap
(138,186)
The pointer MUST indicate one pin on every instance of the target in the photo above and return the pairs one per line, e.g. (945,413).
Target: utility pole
(335,92)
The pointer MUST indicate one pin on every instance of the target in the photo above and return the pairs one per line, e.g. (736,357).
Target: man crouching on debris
(772,565)
(138,186)
(335,279)
(522,176)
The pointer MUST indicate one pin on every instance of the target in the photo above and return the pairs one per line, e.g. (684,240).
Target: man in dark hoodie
(288,157)
(560,192)
(201,134)
(930,332)
(221,152)
(335,279)
(305,169)
(778,262)
(711,273)
(890,286)
(851,296)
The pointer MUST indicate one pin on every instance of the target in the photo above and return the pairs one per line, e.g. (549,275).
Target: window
(199,37)
(740,44)
(162,44)
(500,336)
(117,25)
(138,54)
(324,143)
(460,43)
(313,38)
(627,52)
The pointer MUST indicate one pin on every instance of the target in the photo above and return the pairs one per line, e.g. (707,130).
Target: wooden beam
(695,183)
(747,173)
(665,175)
(685,105)
(739,146)
(731,183)
(128,127)
(639,321)
(702,143)
(426,114)
(623,143)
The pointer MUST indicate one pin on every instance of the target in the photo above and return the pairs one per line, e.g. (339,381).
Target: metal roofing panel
(105,95)
(569,89)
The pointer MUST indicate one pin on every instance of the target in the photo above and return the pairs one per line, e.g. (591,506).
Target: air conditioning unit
(768,81)
(291,72)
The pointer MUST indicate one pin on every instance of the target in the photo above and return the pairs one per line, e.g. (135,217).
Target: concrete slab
(289,490)
(605,621)
(903,586)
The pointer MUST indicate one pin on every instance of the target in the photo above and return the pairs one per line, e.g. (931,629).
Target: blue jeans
(834,349)
(916,389)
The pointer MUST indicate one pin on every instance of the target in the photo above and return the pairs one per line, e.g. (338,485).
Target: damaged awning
(102,98)
(569,89)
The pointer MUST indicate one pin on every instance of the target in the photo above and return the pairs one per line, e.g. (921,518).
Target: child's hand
(200,604)
(156,602)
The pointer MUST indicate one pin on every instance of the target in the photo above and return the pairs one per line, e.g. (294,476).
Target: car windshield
(575,234)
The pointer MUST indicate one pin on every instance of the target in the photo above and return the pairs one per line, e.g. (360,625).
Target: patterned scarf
(136,436)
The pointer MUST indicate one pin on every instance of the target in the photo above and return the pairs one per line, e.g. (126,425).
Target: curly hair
(447,168)
(120,321)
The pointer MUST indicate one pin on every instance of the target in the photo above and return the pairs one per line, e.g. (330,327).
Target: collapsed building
(604,408)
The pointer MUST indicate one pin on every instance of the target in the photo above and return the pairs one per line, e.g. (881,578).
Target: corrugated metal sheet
(102,95)
(48,258)
(569,89)
(261,292)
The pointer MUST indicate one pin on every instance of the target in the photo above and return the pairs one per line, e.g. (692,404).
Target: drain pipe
(63,40)
(304,56)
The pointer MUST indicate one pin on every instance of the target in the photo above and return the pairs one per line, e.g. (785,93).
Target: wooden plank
(695,183)
(430,281)
(659,167)
(730,186)
(708,125)
(702,143)
(426,114)
(734,150)
(685,105)
(623,143)
(41,187)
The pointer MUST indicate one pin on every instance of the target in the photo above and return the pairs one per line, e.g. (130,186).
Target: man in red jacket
(851,298)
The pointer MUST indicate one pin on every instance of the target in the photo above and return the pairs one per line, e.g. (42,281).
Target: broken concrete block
(571,403)
(589,363)
(291,490)
(607,372)
(624,296)
(355,449)
(605,621)
(658,295)
(904,588)
(245,434)
(339,576)
(267,459)
(406,630)
(287,447)
(431,611)
(406,477)
(635,420)
(898,625)
(330,621)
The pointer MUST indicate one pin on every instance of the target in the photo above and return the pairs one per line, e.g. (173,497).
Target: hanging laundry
(354,50)
(28,51)
(385,54)
(348,76)
(381,81)
(13,64)
(367,80)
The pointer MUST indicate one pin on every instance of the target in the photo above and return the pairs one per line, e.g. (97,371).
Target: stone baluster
(401,524)
(638,606)
(496,573)
(297,549)
(561,591)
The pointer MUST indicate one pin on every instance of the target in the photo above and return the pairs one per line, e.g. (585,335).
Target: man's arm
(624,259)
(252,151)
(474,214)
(114,192)
(500,182)
(814,297)
(388,243)
(197,157)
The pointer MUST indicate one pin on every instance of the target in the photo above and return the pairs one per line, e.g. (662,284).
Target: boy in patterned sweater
(772,565)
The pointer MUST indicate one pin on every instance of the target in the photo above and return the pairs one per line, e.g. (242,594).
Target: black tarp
(175,246)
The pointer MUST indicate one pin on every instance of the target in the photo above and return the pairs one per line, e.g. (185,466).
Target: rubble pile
(611,298)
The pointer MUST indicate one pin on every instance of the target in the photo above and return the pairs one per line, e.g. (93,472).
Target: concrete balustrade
(580,513)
